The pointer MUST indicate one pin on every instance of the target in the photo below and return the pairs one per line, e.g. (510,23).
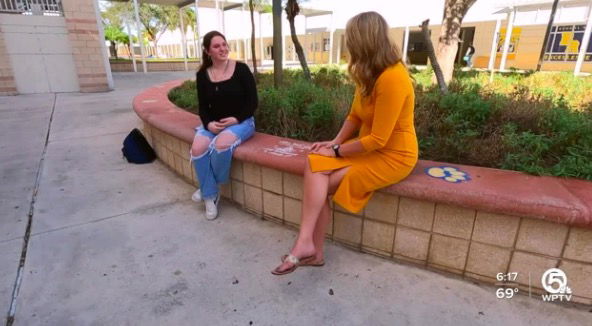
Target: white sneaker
(212,208)
(196,197)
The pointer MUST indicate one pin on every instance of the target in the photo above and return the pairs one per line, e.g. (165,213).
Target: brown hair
(371,50)
(207,41)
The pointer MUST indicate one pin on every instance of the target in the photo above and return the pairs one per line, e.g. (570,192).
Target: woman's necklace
(218,78)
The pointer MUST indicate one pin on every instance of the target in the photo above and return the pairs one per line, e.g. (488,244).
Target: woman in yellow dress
(383,152)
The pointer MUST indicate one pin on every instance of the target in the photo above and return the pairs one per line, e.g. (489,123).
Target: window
(326,45)
(564,43)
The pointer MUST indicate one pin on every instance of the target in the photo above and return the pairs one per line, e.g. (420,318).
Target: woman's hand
(215,127)
(229,121)
(324,144)
(324,151)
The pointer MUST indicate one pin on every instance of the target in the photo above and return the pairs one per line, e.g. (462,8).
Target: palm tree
(253,53)
(432,55)
(261,6)
(292,10)
(115,35)
(277,43)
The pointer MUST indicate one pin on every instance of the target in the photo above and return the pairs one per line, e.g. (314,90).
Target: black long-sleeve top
(234,97)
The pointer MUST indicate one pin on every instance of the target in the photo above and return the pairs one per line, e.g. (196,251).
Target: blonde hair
(371,50)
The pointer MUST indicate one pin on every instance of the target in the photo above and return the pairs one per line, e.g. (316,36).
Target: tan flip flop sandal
(295,261)
(307,262)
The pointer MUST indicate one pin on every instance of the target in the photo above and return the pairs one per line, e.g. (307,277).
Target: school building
(523,26)
(58,45)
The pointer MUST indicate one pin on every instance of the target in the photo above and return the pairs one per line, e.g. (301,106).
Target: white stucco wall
(40,53)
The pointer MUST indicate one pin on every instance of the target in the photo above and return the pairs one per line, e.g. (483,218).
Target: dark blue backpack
(136,148)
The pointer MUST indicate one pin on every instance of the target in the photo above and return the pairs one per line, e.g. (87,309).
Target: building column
(493,53)
(218,16)
(339,45)
(7,82)
(284,31)
(509,28)
(262,54)
(331,32)
(88,45)
(131,42)
(197,30)
(140,39)
(247,22)
(183,39)
(314,48)
(584,45)
(405,43)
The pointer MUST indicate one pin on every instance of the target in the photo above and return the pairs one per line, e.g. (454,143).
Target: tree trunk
(195,42)
(292,10)
(253,53)
(433,59)
(454,12)
(155,43)
(112,49)
(277,43)
(547,32)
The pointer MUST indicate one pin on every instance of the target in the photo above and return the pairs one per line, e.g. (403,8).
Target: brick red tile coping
(567,201)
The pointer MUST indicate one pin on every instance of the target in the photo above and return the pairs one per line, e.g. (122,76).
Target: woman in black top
(227,100)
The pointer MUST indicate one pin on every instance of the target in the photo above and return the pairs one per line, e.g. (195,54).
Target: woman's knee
(200,146)
(306,165)
(224,141)
(335,179)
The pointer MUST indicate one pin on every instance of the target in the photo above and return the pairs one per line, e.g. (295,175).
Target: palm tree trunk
(253,53)
(432,54)
(292,9)
(547,32)
(112,49)
(299,50)
(277,43)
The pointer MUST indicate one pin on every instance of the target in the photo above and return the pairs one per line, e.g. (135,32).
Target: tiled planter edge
(418,222)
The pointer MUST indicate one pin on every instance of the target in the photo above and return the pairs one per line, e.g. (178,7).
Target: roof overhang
(527,5)
(308,12)
(226,5)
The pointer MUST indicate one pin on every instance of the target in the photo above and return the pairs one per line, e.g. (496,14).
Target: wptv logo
(554,282)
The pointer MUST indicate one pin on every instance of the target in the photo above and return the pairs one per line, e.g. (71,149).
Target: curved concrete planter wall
(152,66)
(496,222)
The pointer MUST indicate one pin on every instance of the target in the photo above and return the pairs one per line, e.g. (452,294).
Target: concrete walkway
(118,244)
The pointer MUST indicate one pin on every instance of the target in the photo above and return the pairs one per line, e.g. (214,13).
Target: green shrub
(301,110)
(185,96)
(540,123)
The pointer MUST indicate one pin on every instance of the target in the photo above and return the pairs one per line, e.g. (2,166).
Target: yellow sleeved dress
(387,133)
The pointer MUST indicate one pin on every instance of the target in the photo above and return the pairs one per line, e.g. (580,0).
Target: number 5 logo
(554,276)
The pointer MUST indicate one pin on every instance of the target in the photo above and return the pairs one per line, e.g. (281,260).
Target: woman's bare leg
(200,145)
(335,178)
(315,190)
(315,213)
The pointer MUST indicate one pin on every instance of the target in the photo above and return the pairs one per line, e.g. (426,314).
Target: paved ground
(119,244)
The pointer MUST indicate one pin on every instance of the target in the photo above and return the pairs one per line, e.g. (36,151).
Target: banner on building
(514,38)
(564,43)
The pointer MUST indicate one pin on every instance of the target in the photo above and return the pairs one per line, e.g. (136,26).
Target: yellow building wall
(482,42)
(526,57)
(527,51)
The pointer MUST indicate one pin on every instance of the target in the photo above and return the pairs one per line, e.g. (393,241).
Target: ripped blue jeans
(213,166)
